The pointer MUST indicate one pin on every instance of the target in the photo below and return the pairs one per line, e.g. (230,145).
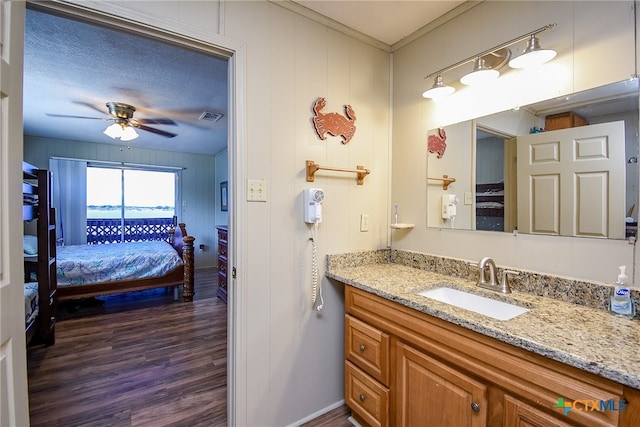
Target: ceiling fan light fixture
(439,89)
(533,55)
(114,131)
(121,131)
(480,74)
(128,134)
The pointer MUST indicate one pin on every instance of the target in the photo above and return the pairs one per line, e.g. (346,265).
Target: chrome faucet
(482,265)
(492,283)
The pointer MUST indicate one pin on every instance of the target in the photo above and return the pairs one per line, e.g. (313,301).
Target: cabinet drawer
(366,397)
(222,250)
(367,348)
(222,265)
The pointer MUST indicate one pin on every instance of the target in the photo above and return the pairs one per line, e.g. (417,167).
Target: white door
(14,408)
(571,182)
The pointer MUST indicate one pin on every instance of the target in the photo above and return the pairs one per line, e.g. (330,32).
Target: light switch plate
(256,190)
(468,198)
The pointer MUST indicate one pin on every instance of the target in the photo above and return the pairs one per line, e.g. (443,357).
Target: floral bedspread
(84,264)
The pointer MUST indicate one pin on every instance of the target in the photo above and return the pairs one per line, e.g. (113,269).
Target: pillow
(30,245)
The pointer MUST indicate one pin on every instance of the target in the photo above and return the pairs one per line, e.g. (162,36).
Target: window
(125,204)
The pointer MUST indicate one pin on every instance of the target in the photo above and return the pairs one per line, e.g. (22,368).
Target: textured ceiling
(74,68)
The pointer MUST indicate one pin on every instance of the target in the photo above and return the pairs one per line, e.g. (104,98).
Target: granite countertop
(586,338)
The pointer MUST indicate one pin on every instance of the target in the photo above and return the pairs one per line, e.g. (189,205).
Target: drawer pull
(475,407)
(362,348)
(362,397)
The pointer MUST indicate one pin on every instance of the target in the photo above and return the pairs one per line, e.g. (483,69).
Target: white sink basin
(495,309)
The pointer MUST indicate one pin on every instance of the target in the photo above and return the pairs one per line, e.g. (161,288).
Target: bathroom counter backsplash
(589,294)
(585,336)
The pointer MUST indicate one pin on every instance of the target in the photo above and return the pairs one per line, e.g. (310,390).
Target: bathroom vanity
(411,360)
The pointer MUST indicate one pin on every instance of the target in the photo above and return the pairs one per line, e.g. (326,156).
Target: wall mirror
(503,165)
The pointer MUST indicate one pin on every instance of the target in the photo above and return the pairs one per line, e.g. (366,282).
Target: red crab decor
(438,143)
(334,123)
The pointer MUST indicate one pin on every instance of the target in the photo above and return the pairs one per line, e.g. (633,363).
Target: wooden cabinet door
(520,414)
(430,393)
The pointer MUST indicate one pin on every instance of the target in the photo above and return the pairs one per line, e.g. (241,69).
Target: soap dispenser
(621,302)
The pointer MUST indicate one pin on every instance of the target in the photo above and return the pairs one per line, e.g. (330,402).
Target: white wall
(294,355)
(595,44)
(195,187)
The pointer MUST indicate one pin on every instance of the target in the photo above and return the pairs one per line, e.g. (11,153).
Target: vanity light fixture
(480,74)
(438,89)
(533,55)
(499,55)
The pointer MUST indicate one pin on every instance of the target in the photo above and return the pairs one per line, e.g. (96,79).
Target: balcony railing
(130,230)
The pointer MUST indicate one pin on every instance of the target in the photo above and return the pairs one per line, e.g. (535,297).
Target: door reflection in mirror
(495,207)
(609,103)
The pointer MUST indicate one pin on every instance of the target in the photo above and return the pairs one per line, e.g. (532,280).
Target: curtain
(70,200)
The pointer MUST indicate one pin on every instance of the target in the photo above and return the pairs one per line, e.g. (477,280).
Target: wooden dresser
(223,234)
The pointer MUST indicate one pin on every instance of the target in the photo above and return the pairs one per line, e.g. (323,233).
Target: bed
(31,309)
(40,297)
(85,271)
(490,206)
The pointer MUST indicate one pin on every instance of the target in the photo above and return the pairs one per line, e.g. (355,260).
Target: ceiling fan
(124,123)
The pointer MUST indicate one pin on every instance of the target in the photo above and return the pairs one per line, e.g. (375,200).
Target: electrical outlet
(256,190)
(364,222)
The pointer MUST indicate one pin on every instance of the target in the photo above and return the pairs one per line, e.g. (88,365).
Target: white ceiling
(388,21)
(74,68)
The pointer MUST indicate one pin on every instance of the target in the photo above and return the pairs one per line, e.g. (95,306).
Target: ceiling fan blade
(154,130)
(93,107)
(158,121)
(77,117)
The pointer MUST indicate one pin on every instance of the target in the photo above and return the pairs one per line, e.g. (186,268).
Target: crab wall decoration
(438,143)
(334,123)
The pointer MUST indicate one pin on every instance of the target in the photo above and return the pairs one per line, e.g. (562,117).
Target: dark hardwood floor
(138,359)
(336,418)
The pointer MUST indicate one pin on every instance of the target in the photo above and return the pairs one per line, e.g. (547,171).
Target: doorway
(233,138)
(495,188)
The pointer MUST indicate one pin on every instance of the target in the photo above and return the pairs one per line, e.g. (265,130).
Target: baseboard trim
(318,413)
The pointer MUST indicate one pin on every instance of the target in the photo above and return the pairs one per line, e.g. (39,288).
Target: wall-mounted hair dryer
(313,198)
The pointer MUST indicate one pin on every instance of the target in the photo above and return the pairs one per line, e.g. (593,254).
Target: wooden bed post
(187,249)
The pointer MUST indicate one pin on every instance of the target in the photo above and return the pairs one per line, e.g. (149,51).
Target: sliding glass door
(125,204)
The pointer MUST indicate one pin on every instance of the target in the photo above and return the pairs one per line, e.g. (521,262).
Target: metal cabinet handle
(475,407)
(362,397)
(362,347)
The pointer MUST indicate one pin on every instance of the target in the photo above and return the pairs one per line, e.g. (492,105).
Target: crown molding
(335,25)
